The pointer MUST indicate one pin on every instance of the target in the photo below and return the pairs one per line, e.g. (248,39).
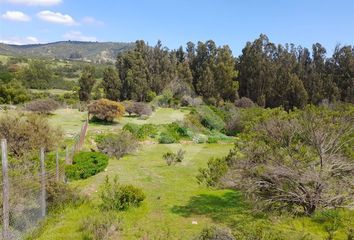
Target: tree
(106,110)
(37,75)
(111,84)
(86,83)
(13,92)
(297,160)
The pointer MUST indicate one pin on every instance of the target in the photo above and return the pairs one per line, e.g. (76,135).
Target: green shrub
(167,138)
(102,226)
(117,145)
(210,176)
(120,197)
(147,130)
(209,119)
(212,139)
(86,164)
(132,128)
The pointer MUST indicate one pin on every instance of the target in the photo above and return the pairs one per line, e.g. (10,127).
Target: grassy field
(51,91)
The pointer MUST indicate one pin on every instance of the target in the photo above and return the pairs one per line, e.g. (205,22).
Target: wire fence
(23,186)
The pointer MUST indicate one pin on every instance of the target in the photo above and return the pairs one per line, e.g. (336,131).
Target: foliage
(173,158)
(167,138)
(102,226)
(111,84)
(13,92)
(212,174)
(86,83)
(209,119)
(37,75)
(43,106)
(117,145)
(298,160)
(115,196)
(244,102)
(86,164)
(106,110)
(137,108)
(28,132)
(59,195)
(215,233)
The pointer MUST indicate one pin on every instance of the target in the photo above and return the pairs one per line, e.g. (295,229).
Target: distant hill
(98,52)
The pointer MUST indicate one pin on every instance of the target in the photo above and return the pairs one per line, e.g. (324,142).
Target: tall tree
(86,83)
(111,84)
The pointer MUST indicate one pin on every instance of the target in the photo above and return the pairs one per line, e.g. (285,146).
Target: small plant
(167,138)
(86,164)
(173,158)
(215,233)
(210,176)
(115,196)
(100,227)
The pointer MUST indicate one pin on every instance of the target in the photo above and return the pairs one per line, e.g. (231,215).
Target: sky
(175,22)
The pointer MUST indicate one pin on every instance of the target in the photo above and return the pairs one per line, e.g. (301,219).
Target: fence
(24,183)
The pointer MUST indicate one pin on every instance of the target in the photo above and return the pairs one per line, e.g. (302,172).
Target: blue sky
(176,22)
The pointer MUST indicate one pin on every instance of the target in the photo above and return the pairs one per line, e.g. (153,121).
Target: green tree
(37,75)
(86,83)
(111,84)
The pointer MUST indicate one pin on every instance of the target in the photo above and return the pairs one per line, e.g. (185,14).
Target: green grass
(51,91)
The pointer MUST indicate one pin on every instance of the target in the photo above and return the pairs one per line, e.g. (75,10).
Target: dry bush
(106,110)
(244,103)
(137,108)
(43,106)
(26,133)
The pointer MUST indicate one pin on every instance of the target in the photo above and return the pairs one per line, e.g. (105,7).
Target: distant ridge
(98,52)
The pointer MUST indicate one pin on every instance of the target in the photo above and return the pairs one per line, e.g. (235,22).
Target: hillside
(89,51)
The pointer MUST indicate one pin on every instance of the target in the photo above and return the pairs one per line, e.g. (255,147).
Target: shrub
(167,138)
(199,138)
(173,158)
(209,119)
(215,233)
(26,133)
(233,125)
(132,128)
(102,226)
(43,106)
(137,108)
(216,169)
(120,197)
(86,164)
(244,102)
(106,110)
(117,145)
(147,130)
(61,195)
(212,139)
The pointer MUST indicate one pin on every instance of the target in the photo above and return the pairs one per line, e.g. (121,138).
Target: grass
(51,91)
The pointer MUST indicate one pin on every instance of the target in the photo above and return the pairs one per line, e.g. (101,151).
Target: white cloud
(92,21)
(56,17)
(20,40)
(78,36)
(16,16)
(35,2)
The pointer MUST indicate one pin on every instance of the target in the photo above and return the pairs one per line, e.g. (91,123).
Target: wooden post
(57,165)
(43,201)
(5,194)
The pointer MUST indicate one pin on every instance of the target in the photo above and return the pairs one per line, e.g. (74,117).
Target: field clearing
(51,91)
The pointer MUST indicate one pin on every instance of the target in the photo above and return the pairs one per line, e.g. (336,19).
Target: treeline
(270,75)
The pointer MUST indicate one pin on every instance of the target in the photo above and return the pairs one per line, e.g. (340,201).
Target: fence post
(43,201)
(57,165)
(67,154)
(5,194)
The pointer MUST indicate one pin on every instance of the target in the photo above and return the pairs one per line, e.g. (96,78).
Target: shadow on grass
(228,208)
(95,121)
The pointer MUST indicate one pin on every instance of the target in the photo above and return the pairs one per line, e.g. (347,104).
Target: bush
(244,102)
(137,108)
(103,226)
(120,197)
(117,145)
(216,169)
(86,164)
(215,233)
(209,119)
(167,138)
(61,195)
(43,106)
(147,130)
(106,110)
(132,128)
(27,133)
(173,158)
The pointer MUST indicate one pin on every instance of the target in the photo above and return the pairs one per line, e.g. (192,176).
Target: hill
(74,50)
